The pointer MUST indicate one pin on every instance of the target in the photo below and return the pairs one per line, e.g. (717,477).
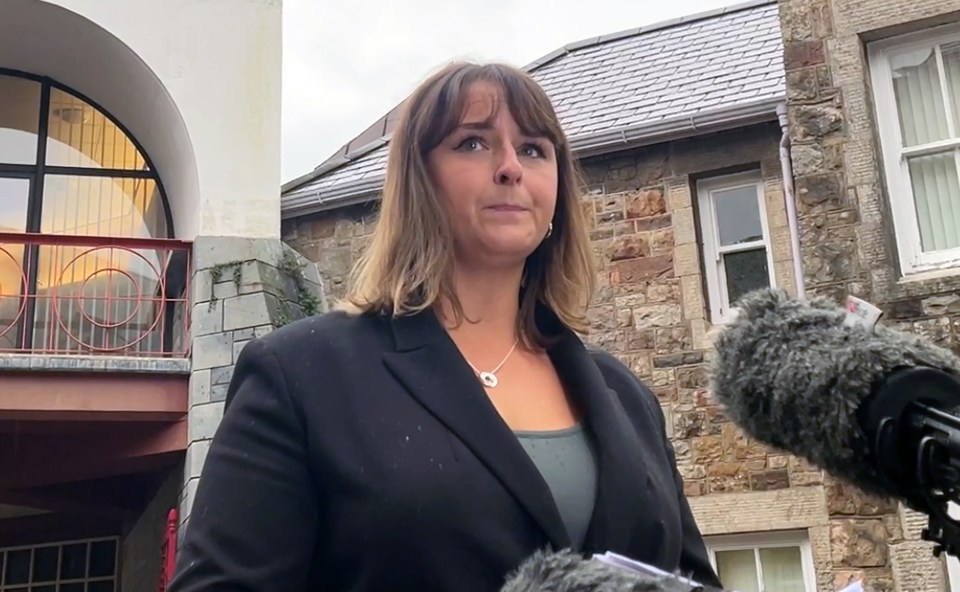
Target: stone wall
(847,237)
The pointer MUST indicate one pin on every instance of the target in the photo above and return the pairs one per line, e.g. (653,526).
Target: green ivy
(216,275)
(291,266)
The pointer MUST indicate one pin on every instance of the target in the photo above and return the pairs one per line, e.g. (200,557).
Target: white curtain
(923,119)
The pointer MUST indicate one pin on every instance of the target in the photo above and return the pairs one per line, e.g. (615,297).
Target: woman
(447,422)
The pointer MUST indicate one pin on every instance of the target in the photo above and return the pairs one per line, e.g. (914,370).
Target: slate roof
(642,79)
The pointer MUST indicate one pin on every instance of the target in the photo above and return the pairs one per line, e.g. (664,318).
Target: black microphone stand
(917,447)
(938,473)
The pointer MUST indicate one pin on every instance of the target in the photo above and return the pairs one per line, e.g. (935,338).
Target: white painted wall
(198,83)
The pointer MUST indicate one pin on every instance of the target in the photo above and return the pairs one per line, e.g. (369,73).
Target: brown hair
(407,267)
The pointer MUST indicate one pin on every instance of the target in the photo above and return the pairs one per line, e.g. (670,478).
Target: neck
(491,306)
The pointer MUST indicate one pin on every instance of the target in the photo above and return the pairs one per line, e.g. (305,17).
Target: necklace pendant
(489,380)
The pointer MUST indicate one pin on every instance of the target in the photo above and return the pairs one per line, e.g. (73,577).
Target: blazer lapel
(623,482)
(431,368)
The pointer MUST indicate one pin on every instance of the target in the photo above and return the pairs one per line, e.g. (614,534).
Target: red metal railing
(90,295)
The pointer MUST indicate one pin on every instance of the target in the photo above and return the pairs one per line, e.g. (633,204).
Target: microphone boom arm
(938,474)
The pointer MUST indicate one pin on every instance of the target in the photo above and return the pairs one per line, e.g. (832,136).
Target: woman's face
(498,184)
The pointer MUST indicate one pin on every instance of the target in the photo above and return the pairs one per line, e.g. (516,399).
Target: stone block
(656,315)
(199,387)
(858,543)
(211,351)
(221,375)
(201,286)
(653,223)
(628,247)
(218,392)
(203,421)
(248,310)
(238,348)
(802,84)
(678,193)
(691,290)
(812,122)
(687,260)
(642,269)
(685,229)
(206,319)
(646,202)
(211,251)
(196,455)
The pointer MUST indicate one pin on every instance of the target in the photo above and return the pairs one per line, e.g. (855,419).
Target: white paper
(854,587)
(641,567)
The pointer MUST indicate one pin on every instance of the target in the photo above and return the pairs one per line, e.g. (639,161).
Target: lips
(507,208)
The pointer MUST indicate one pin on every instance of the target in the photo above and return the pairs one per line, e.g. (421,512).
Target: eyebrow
(488,125)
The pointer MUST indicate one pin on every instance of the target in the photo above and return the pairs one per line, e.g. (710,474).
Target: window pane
(782,569)
(936,195)
(738,215)
(100,586)
(45,564)
(18,567)
(103,206)
(74,564)
(745,271)
(81,136)
(916,85)
(19,120)
(738,570)
(73,587)
(951,63)
(14,194)
(103,558)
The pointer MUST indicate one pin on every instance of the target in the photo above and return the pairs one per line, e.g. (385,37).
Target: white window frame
(710,233)
(896,171)
(767,540)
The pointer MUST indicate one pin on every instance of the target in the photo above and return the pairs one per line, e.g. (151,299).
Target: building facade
(722,152)
(873,101)
(139,249)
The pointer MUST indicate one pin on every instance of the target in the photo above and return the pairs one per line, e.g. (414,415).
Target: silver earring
(549,230)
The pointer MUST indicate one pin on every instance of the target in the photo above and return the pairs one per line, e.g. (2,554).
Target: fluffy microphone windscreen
(792,374)
(565,571)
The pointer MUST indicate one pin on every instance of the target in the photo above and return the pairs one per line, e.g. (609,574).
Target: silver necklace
(489,379)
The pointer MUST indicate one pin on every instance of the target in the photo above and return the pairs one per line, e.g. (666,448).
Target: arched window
(81,212)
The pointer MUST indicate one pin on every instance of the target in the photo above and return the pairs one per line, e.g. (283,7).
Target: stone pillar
(242,289)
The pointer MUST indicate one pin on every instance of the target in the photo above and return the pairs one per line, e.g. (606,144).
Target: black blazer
(361,454)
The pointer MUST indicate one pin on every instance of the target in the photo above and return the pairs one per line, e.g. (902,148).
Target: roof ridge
(666,24)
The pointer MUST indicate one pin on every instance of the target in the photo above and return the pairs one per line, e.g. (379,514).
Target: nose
(509,171)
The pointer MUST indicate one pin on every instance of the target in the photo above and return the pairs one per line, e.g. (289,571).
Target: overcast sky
(346,63)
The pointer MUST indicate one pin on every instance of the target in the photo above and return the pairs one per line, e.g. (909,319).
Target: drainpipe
(786,169)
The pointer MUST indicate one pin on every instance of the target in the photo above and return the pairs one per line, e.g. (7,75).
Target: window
(773,562)
(736,251)
(75,566)
(916,82)
(70,175)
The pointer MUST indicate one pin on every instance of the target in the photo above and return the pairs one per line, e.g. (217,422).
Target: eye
(533,151)
(471,144)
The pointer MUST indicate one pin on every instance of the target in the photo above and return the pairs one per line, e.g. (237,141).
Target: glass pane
(44,588)
(738,570)
(936,196)
(45,561)
(738,215)
(782,569)
(951,63)
(100,587)
(72,587)
(745,271)
(14,194)
(13,218)
(19,120)
(103,558)
(18,567)
(81,136)
(103,206)
(74,564)
(98,300)
(916,85)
